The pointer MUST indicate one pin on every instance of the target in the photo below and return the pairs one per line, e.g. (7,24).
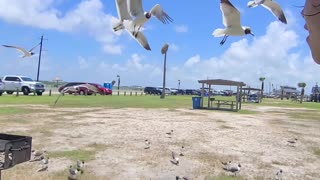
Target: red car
(102,89)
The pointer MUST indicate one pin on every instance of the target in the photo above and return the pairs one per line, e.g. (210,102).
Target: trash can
(196,102)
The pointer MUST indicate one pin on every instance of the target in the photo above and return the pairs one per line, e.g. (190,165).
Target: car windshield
(26,79)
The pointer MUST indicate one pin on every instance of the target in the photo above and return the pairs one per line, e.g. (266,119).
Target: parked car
(102,90)
(181,91)
(1,87)
(253,98)
(73,87)
(173,91)
(152,90)
(166,91)
(13,83)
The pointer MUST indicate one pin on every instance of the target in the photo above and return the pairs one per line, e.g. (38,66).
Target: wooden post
(17,92)
(118,93)
(136,93)
(125,93)
(130,93)
(209,95)
(237,100)
(50,92)
(240,98)
(141,93)
(202,95)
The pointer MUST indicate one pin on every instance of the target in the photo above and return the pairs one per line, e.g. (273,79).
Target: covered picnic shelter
(246,91)
(221,104)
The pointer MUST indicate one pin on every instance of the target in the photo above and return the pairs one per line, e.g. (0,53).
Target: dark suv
(152,90)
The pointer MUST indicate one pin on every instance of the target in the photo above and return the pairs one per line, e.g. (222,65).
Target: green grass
(13,110)
(171,102)
(316,151)
(85,155)
(304,115)
(244,111)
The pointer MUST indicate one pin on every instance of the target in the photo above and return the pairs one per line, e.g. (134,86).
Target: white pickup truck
(13,83)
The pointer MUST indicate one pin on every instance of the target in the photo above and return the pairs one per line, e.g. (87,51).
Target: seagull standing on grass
(127,23)
(232,21)
(293,141)
(272,6)
(279,175)
(234,168)
(147,144)
(80,164)
(73,173)
(175,159)
(24,51)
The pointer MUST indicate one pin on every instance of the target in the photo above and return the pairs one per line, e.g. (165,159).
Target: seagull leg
(224,39)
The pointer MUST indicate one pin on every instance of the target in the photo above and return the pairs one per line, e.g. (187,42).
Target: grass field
(108,132)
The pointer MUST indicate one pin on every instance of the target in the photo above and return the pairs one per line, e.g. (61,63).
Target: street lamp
(178,84)
(118,76)
(164,51)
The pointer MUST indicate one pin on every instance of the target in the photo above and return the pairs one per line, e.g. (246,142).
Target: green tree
(262,85)
(302,85)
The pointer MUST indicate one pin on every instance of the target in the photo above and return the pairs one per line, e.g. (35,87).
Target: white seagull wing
(18,48)
(159,13)
(135,7)
(122,8)
(275,9)
(141,39)
(231,15)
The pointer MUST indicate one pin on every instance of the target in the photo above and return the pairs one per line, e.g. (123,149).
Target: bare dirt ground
(114,139)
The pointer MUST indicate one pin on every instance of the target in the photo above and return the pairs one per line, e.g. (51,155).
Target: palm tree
(302,85)
(262,85)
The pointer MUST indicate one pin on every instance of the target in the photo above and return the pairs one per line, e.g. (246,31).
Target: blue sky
(81,45)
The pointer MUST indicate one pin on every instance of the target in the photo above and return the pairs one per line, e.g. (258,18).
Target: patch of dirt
(257,141)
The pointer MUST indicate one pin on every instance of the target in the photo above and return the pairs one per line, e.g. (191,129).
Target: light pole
(164,51)
(118,76)
(178,84)
(38,72)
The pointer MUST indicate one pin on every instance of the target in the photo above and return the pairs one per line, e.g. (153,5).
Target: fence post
(125,93)
(17,92)
(50,92)
(136,93)
(130,93)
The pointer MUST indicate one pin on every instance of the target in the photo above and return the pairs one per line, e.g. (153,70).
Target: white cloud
(192,61)
(87,17)
(181,29)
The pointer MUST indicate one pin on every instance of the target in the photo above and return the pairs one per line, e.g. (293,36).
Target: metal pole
(39,58)
(164,76)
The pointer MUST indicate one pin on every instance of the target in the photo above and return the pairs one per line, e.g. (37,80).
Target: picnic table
(220,103)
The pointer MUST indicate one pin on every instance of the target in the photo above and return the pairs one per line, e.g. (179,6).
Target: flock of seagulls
(132,18)
(42,156)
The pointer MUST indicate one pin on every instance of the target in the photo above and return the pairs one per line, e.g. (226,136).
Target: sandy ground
(257,141)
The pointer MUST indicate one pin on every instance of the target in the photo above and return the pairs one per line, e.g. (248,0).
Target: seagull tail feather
(219,32)
(252,4)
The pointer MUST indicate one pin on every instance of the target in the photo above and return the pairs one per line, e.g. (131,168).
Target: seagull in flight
(140,17)
(272,6)
(24,51)
(232,21)
(127,23)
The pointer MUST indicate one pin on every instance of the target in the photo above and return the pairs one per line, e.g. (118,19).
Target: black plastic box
(14,150)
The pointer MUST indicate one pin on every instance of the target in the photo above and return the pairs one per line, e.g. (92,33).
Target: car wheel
(9,92)
(39,93)
(25,91)
(81,92)
(0,93)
